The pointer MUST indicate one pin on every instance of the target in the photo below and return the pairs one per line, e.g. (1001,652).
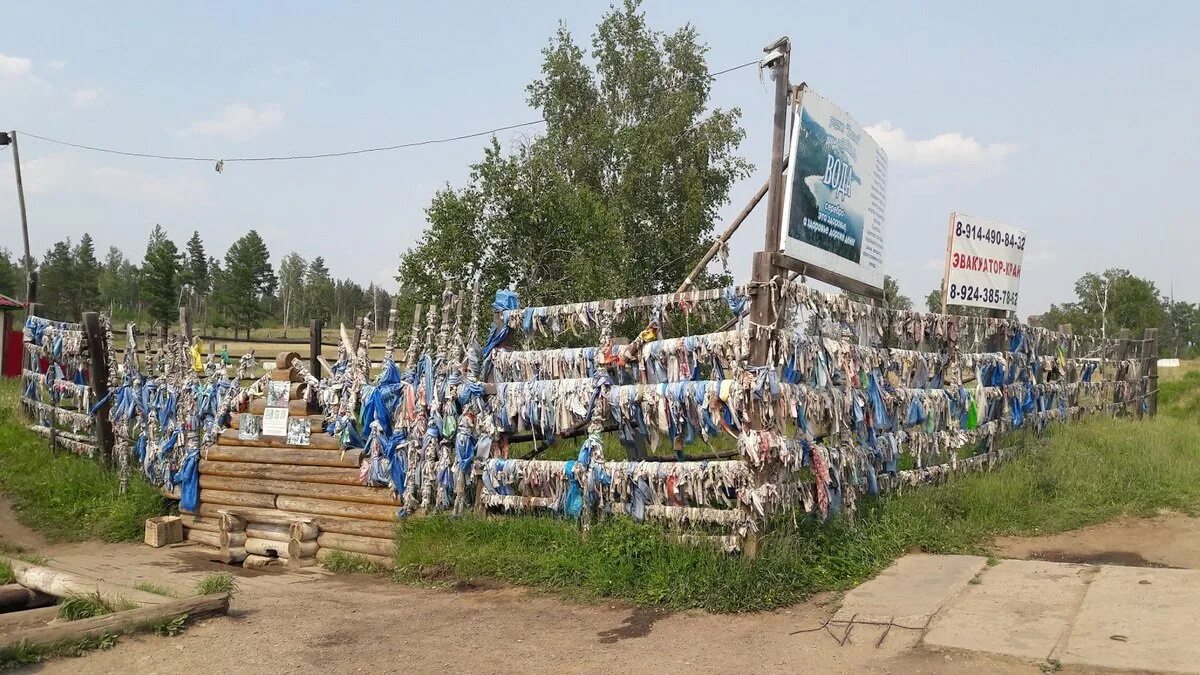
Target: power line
(344,153)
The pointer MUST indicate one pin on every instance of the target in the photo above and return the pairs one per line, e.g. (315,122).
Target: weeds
(217,582)
(65,497)
(349,563)
(26,653)
(6,572)
(170,627)
(150,587)
(75,607)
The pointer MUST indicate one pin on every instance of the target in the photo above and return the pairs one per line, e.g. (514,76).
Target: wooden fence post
(97,345)
(1149,374)
(1121,394)
(185,325)
(314,348)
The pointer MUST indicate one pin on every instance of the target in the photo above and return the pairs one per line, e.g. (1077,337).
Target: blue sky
(1073,120)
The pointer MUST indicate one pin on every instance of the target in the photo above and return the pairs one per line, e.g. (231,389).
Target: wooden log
(299,563)
(192,521)
(336,508)
(118,622)
(233,556)
(326,523)
(233,539)
(329,475)
(314,419)
(343,493)
(357,544)
(258,562)
(230,521)
(266,547)
(303,530)
(228,498)
(272,531)
(62,583)
(284,360)
(323,554)
(15,597)
(229,453)
(319,441)
(29,618)
(296,407)
(302,549)
(212,539)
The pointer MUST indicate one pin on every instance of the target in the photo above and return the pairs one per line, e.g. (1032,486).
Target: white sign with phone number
(983,263)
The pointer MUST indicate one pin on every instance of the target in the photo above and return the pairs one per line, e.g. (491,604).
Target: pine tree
(10,274)
(87,276)
(246,281)
(291,287)
(56,291)
(160,277)
(318,290)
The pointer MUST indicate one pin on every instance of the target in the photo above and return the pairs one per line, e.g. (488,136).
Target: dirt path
(1166,540)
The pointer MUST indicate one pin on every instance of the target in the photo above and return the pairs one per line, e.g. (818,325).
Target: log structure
(266,503)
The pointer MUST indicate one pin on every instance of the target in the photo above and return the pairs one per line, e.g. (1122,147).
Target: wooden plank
(327,523)
(336,508)
(319,441)
(230,453)
(303,474)
(118,622)
(361,494)
(349,542)
(236,498)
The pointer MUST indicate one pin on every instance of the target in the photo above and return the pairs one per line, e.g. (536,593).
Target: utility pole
(6,139)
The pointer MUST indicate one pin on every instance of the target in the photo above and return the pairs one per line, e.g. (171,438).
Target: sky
(1076,121)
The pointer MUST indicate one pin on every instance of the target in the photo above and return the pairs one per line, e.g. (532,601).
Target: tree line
(240,291)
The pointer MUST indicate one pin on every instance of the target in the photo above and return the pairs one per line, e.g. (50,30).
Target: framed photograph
(277,394)
(249,427)
(275,422)
(299,431)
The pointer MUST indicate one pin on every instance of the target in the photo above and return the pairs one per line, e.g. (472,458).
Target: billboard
(983,263)
(836,193)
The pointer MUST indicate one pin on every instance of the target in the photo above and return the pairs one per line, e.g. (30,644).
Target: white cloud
(947,150)
(58,64)
(15,66)
(239,121)
(84,97)
(174,189)
(41,175)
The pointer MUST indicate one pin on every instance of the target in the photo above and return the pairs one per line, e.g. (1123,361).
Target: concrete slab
(1136,618)
(912,590)
(1021,608)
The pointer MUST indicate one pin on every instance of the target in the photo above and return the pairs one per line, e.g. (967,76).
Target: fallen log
(229,498)
(238,453)
(29,618)
(118,622)
(61,583)
(323,554)
(356,544)
(289,472)
(15,597)
(342,493)
(336,508)
(326,523)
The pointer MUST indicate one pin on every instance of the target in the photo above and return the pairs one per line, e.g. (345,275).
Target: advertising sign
(836,193)
(983,263)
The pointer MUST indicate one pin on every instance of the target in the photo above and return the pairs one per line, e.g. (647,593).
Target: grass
(65,497)
(157,589)
(1084,474)
(217,582)
(349,563)
(1179,396)
(6,572)
(25,653)
(75,607)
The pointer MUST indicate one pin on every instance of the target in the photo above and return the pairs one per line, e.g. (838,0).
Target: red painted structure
(10,340)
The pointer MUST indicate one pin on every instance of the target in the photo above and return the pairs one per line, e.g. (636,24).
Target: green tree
(318,290)
(87,276)
(1181,330)
(12,276)
(291,287)
(1108,301)
(617,197)
(56,279)
(246,281)
(161,277)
